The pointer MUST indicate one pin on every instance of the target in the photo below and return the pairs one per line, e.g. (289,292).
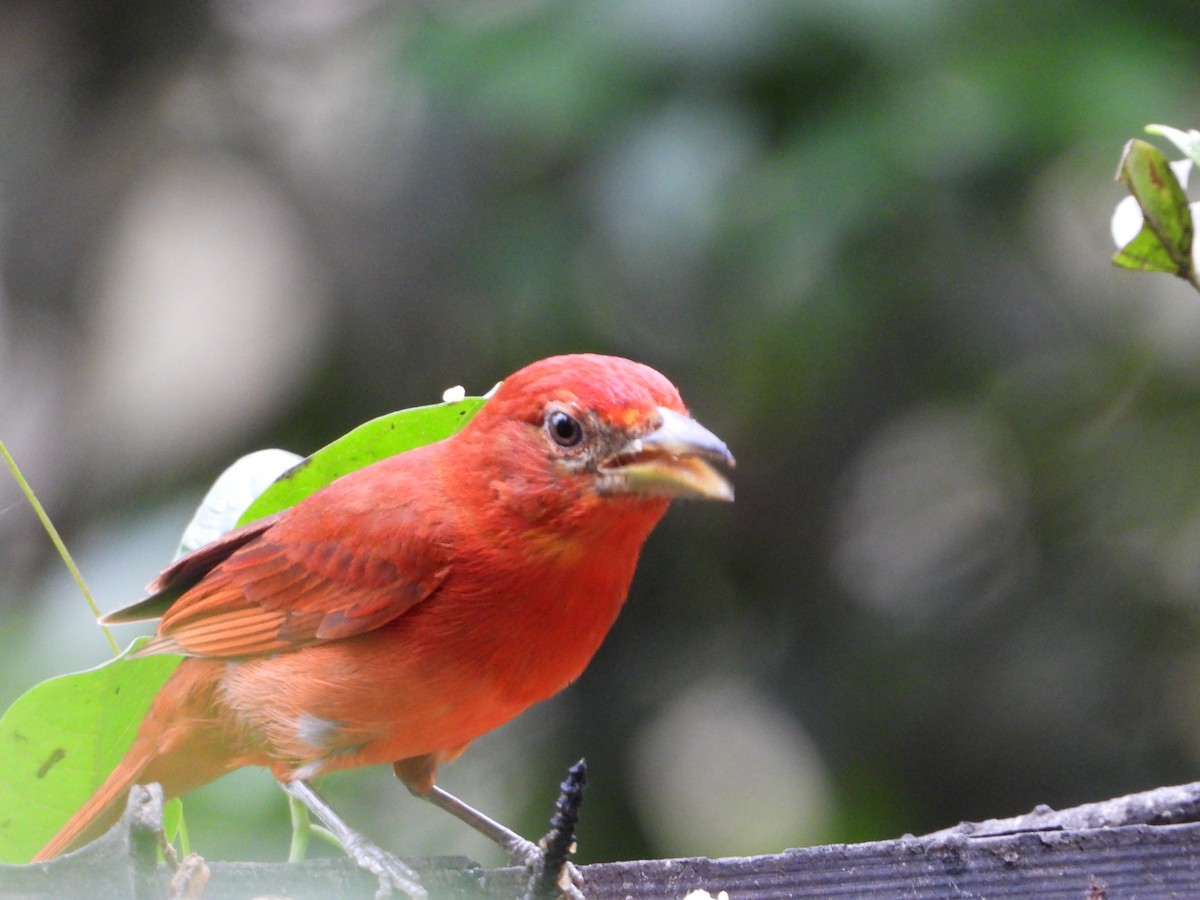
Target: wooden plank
(1144,846)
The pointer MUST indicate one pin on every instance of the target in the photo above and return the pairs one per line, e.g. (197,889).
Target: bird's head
(573,434)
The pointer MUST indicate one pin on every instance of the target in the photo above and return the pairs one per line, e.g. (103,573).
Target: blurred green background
(868,240)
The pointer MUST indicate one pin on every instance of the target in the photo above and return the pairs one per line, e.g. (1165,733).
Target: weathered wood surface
(1142,846)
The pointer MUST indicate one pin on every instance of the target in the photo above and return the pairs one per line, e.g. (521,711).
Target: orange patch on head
(629,417)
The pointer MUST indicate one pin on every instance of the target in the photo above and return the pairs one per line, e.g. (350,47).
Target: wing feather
(184,572)
(347,560)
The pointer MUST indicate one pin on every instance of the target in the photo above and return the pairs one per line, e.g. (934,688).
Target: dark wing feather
(184,572)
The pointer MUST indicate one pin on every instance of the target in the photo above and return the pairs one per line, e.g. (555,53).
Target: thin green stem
(57,541)
(181,833)
(302,829)
(326,835)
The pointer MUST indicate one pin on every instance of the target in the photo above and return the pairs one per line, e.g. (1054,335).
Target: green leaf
(368,443)
(1146,253)
(60,740)
(1165,242)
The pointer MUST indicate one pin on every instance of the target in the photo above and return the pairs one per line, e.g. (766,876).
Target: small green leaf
(1165,242)
(368,443)
(60,740)
(1146,253)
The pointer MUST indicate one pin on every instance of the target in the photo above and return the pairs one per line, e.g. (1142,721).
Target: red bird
(409,607)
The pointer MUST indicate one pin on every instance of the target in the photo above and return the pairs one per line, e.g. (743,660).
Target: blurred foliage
(869,243)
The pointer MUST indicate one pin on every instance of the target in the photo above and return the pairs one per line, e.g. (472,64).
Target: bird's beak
(674,460)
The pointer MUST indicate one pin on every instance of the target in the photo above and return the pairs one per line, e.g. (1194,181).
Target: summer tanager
(411,606)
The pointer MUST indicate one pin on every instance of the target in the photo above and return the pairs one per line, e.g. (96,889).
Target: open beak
(674,460)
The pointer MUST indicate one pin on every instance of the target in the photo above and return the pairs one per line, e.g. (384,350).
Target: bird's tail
(102,809)
(175,747)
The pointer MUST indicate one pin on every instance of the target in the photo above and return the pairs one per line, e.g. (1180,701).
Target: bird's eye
(563,428)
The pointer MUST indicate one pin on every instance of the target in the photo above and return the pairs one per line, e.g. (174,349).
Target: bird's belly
(376,699)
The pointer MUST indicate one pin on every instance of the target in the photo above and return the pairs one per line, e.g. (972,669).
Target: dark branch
(559,842)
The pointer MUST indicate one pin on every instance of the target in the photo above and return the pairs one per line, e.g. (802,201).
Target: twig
(559,842)
(57,541)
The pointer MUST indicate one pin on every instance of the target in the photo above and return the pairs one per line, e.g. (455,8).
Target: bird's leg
(391,872)
(521,852)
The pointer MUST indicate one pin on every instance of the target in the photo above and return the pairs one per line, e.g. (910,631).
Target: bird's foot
(568,879)
(393,874)
(550,870)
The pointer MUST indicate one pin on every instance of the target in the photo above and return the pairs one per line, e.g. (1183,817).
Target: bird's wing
(347,560)
(184,572)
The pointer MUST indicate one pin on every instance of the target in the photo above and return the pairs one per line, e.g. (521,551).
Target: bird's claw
(529,855)
(570,882)
(524,853)
(393,874)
